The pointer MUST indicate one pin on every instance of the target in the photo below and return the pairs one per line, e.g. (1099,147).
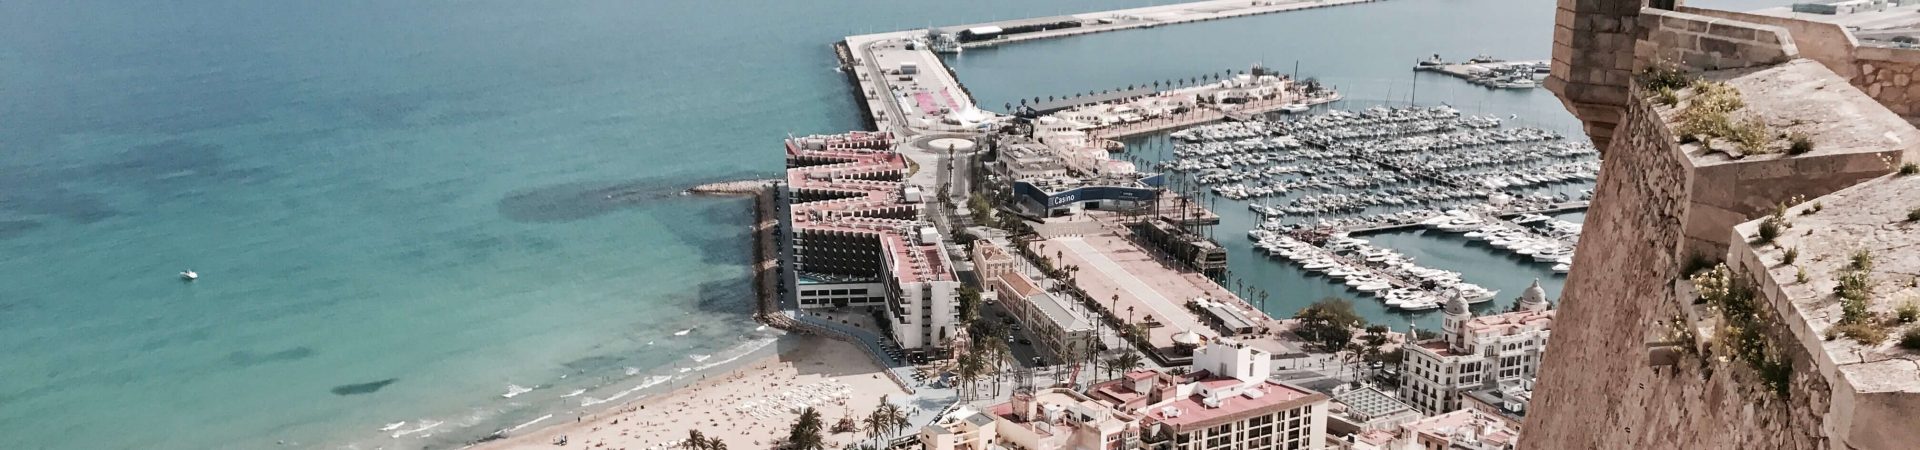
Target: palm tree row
(805,434)
(887,419)
(699,441)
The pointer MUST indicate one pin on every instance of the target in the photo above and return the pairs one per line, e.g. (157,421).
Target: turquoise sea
(400,209)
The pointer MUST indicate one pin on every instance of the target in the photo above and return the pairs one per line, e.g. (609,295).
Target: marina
(1380,272)
(1382,167)
(1489,72)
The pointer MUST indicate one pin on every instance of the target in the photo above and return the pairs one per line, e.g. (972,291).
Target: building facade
(1058,329)
(1475,352)
(1226,401)
(852,237)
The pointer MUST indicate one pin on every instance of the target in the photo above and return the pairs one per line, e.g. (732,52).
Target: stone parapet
(1709,43)
(1827,43)
(1875,388)
(1853,137)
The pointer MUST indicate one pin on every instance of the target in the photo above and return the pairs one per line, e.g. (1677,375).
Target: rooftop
(1020,284)
(1062,314)
(1464,428)
(853,169)
(1511,323)
(1192,413)
(1370,403)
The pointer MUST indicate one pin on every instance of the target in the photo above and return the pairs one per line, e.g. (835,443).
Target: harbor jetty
(905,88)
(733,188)
(1486,71)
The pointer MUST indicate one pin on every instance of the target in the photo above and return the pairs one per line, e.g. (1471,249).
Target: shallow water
(399,209)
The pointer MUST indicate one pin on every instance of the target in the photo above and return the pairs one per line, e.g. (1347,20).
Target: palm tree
(1126,361)
(897,418)
(805,434)
(968,370)
(695,441)
(875,424)
(714,443)
(887,419)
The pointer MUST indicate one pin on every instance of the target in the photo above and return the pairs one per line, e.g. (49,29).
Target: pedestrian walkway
(1162,307)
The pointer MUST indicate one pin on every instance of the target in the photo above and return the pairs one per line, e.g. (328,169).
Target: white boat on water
(1562,268)
(189,275)
(1421,305)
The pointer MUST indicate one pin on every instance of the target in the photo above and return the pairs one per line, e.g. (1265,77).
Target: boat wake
(394,426)
(683,332)
(699,358)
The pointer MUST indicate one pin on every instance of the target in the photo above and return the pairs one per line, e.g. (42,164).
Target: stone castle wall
(1592,61)
(1597,389)
(1892,76)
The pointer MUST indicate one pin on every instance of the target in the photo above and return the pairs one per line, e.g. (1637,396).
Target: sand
(804,364)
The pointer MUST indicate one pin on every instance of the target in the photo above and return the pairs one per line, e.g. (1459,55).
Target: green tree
(1125,362)
(980,208)
(695,441)
(805,434)
(969,303)
(1329,323)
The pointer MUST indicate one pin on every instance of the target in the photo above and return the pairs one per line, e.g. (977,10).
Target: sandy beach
(749,407)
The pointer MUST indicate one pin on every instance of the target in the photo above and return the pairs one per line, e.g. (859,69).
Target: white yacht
(189,275)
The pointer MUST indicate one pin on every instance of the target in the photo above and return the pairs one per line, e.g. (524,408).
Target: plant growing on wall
(1743,329)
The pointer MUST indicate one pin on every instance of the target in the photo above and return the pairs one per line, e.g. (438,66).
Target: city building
(1459,430)
(1056,326)
(1474,352)
(1506,401)
(991,259)
(1366,408)
(1048,419)
(856,239)
(1225,401)
(963,428)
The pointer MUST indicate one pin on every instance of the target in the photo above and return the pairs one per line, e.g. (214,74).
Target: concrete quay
(928,98)
(736,187)
(1145,17)
(1205,116)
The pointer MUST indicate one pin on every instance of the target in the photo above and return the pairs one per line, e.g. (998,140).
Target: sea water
(402,211)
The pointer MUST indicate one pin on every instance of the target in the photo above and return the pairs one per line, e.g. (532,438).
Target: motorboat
(189,275)
(1421,305)
(1473,293)
(1562,268)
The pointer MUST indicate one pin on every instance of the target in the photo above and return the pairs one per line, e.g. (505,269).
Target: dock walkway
(1149,17)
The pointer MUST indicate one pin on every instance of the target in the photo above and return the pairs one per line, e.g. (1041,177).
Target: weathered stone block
(1733,31)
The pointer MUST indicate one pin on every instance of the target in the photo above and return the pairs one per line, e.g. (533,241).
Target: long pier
(905,88)
(1144,17)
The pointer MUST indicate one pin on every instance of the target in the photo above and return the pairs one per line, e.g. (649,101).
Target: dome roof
(1455,304)
(1534,296)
